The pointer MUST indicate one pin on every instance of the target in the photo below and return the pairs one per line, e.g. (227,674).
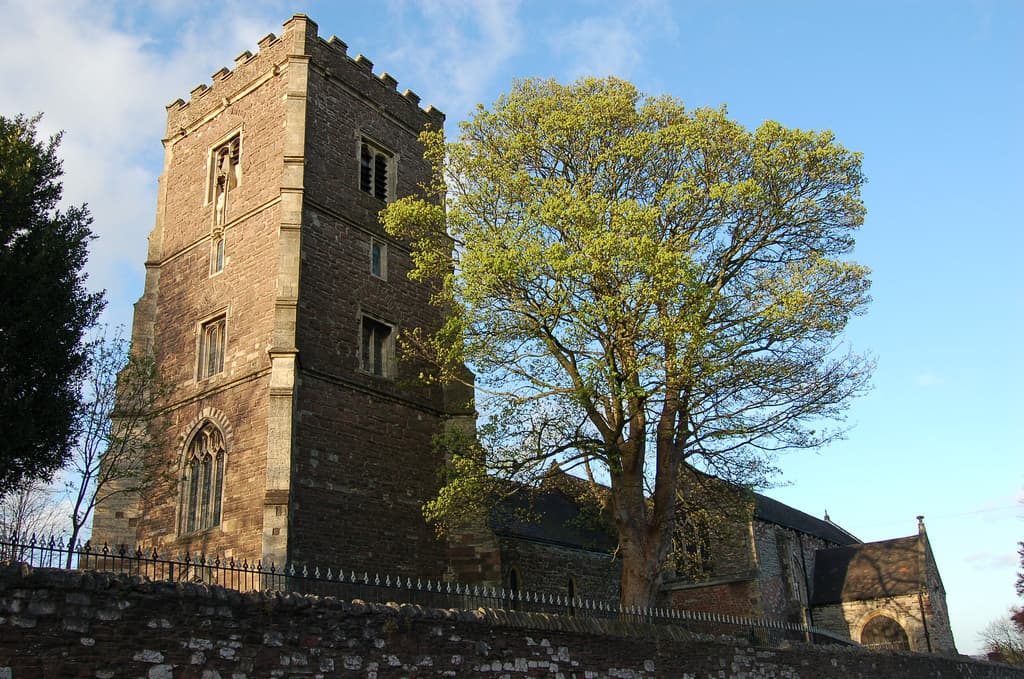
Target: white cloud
(991,561)
(928,379)
(95,72)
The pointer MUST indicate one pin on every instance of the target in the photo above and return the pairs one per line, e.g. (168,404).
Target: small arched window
(202,480)
(571,591)
(513,586)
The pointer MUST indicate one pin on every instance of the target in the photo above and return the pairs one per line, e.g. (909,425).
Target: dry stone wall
(74,624)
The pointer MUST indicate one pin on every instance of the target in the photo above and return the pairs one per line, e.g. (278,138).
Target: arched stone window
(202,480)
(571,591)
(884,632)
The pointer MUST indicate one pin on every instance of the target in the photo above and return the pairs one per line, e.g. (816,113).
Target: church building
(273,299)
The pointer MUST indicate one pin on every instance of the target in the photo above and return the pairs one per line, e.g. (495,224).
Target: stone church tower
(272,302)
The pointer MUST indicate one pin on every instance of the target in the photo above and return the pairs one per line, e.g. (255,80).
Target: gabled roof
(773,511)
(550,516)
(873,570)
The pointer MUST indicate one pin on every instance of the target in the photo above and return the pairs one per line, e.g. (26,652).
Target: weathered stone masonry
(72,624)
(325,461)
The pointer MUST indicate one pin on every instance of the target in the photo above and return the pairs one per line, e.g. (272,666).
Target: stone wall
(854,615)
(940,632)
(59,624)
(547,569)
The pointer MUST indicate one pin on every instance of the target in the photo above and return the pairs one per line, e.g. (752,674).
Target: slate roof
(872,570)
(773,511)
(549,516)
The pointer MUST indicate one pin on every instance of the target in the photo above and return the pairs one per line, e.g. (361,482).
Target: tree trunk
(640,544)
(75,530)
(641,578)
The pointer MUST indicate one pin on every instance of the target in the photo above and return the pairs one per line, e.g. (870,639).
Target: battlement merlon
(330,57)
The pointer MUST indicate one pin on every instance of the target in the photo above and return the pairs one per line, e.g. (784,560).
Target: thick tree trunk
(641,579)
(641,544)
(644,523)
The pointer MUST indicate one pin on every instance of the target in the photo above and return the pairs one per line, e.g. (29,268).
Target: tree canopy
(46,307)
(638,286)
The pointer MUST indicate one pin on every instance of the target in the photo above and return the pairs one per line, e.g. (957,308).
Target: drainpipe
(808,616)
(924,621)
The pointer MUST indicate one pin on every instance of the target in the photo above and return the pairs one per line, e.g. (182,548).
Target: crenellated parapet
(329,57)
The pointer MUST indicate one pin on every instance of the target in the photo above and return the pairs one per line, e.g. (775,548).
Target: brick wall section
(474,556)
(73,624)
(740,598)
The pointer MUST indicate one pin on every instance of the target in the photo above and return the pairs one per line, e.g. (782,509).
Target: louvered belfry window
(374,167)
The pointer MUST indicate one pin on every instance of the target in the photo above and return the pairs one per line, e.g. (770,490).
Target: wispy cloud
(613,42)
(991,561)
(928,379)
(455,47)
(601,46)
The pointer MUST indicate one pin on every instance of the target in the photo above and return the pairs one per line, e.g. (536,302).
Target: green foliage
(46,308)
(636,285)
(465,484)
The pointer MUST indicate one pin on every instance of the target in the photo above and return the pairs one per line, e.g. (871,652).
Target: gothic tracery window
(202,480)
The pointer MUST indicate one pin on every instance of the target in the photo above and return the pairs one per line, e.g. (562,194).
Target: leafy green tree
(46,307)
(637,286)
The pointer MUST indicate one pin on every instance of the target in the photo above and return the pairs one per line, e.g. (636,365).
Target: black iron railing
(54,552)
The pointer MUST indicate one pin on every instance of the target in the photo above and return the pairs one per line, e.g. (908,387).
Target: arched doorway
(884,632)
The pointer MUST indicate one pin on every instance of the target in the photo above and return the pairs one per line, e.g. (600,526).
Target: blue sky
(930,92)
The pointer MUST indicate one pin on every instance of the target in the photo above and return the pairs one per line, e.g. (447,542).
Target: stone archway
(882,631)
